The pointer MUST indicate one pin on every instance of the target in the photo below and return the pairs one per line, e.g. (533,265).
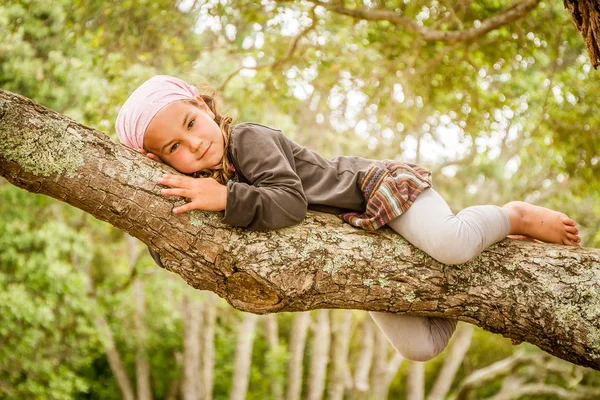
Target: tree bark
(296,347)
(319,356)
(586,15)
(541,293)
(243,357)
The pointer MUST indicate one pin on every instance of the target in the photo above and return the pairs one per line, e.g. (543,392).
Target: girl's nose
(195,144)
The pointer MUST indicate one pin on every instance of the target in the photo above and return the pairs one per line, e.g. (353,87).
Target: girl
(263,180)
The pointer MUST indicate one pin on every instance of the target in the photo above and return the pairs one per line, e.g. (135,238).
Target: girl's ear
(205,107)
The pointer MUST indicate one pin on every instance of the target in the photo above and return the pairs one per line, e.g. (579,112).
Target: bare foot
(541,223)
(522,237)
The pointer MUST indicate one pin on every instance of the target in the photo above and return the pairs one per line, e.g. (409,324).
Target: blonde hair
(220,172)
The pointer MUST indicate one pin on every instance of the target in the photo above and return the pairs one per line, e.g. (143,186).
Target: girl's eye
(190,124)
(174,147)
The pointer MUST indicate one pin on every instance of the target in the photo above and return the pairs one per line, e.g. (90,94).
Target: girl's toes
(571,229)
(573,238)
(567,221)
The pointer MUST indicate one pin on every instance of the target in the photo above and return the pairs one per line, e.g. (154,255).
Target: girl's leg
(415,338)
(430,225)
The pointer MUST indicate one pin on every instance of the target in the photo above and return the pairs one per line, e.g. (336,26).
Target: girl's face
(185,137)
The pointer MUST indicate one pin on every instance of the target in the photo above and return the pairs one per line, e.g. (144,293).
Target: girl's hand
(204,193)
(150,155)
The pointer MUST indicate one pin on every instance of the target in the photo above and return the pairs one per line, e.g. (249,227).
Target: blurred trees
(511,113)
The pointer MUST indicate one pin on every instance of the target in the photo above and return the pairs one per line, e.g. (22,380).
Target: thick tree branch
(545,294)
(507,16)
(586,15)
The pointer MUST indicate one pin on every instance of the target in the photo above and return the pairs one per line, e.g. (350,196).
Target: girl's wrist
(223,197)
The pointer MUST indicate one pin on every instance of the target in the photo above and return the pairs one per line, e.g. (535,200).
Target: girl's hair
(220,172)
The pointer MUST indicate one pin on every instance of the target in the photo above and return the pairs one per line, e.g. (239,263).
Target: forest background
(501,115)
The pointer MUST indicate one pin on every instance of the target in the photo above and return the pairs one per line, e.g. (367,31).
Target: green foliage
(523,98)
(45,331)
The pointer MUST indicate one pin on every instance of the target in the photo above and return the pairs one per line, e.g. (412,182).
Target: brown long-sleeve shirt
(280,179)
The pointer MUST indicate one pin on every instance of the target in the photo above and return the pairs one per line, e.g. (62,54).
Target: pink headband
(143,104)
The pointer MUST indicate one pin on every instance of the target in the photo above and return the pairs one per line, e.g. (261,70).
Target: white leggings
(430,225)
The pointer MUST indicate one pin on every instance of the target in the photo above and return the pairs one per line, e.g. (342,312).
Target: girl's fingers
(176,181)
(177,192)
(171,180)
(154,157)
(184,208)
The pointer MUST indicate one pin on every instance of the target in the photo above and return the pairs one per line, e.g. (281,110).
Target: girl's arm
(275,197)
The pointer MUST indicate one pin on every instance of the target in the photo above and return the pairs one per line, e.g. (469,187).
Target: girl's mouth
(205,151)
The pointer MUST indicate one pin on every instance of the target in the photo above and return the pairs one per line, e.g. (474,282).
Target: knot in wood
(251,293)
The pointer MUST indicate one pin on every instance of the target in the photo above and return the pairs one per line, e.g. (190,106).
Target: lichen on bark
(42,147)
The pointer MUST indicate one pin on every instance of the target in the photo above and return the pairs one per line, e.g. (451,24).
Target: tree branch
(586,15)
(288,55)
(541,293)
(507,16)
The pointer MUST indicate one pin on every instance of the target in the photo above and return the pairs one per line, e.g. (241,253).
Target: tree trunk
(271,332)
(415,381)
(342,323)
(208,346)
(542,293)
(455,355)
(384,371)
(586,15)
(296,345)
(365,358)
(142,368)
(379,389)
(243,357)
(319,356)
(106,335)
(192,315)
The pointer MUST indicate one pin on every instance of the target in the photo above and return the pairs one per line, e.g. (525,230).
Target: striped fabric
(389,192)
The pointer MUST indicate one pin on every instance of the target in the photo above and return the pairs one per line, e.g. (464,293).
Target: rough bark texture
(586,15)
(545,294)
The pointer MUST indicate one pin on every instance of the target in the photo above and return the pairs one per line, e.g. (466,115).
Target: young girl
(263,180)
